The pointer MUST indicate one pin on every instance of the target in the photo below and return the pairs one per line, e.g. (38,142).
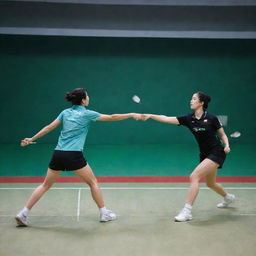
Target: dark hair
(76,96)
(204,98)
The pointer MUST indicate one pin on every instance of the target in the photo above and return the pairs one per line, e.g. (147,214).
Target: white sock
(24,211)
(188,207)
(228,196)
(103,210)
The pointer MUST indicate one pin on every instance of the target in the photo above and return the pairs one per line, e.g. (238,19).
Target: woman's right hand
(136,116)
(145,117)
(26,142)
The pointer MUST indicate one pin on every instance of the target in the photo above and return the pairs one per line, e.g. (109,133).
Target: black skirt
(67,160)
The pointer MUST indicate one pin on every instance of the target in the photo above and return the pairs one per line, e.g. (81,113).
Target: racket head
(236,134)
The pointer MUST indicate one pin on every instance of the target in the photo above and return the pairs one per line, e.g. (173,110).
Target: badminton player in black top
(205,127)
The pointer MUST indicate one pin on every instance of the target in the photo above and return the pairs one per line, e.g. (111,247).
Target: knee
(93,183)
(194,178)
(210,184)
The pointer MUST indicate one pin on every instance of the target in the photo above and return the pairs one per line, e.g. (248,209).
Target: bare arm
(224,139)
(161,118)
(41,133)
(118,117)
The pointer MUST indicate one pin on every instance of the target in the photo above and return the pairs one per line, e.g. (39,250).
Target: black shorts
(217,155)
(67,160)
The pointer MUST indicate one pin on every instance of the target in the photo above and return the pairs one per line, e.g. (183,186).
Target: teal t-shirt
(76,121)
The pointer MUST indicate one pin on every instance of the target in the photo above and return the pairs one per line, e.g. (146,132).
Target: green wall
(127,160)
(37,71)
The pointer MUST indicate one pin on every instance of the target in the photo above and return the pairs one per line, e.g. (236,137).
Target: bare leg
(87,175)
(205,168)
(50,179)
(211,183)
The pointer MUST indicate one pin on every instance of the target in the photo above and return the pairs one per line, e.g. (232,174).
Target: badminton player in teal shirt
(68,154)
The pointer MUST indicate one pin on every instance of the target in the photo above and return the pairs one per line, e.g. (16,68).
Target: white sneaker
(22,220)
(226,201)
(107,216)
(184,215)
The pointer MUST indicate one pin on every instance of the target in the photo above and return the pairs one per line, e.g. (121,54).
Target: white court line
(240,214)
(78,205)
(31,215)
(247,214)
(133,188)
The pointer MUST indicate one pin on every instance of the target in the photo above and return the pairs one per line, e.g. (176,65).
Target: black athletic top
(204,130)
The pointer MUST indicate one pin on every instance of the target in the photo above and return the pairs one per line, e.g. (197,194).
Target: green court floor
(65,221)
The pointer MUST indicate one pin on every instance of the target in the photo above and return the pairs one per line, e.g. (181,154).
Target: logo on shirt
(205,120)
(198,129)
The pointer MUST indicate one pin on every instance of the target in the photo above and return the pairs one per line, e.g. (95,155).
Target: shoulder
(63,114)
(215,121)
(90,112)
(185,119)
(211,116)
(189,116)
(65,111)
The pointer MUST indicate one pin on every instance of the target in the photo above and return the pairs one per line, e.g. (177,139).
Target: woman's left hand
(227,149)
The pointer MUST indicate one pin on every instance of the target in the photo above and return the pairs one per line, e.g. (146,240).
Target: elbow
(224,137)
(113,117)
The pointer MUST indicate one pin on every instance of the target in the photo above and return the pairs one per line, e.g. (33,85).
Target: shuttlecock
(136,99)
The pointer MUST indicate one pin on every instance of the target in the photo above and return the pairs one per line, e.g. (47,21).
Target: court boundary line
(78,205)
(31,215)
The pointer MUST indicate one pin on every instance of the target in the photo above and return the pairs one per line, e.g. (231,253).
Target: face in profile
(86,101)
(195,103)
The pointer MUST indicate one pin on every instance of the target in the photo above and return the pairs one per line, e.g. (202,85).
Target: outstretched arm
(161,118)
(41,133)
(118,117)
(224,139)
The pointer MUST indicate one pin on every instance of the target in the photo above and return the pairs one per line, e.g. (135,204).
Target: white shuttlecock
(136,99)
(235,134)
